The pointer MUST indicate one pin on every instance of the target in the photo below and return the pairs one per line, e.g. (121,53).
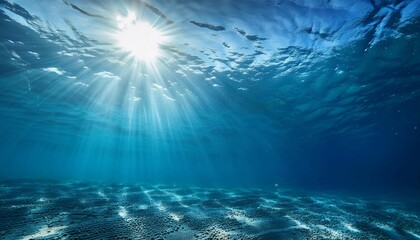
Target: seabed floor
(55,210)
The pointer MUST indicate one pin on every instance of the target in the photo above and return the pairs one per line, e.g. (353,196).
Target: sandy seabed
(58,210)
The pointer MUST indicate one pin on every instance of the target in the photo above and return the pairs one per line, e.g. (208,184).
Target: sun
(139,39)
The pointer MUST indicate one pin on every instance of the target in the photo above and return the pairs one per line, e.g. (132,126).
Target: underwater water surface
(182,119)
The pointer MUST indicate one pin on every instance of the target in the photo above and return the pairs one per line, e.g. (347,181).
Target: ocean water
(222,119)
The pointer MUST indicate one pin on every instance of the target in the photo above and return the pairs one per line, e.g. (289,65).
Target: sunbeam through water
(222,119)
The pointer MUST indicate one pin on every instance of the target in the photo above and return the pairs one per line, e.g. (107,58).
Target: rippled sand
(54,210)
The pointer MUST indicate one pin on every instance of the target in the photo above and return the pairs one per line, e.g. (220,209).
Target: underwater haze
(210,106)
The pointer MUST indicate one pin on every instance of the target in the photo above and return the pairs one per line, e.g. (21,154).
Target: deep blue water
(270,94)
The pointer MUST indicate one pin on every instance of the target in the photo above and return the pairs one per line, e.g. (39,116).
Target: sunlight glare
(139,39)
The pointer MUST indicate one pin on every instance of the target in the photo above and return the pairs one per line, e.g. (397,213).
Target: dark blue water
(157,95)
